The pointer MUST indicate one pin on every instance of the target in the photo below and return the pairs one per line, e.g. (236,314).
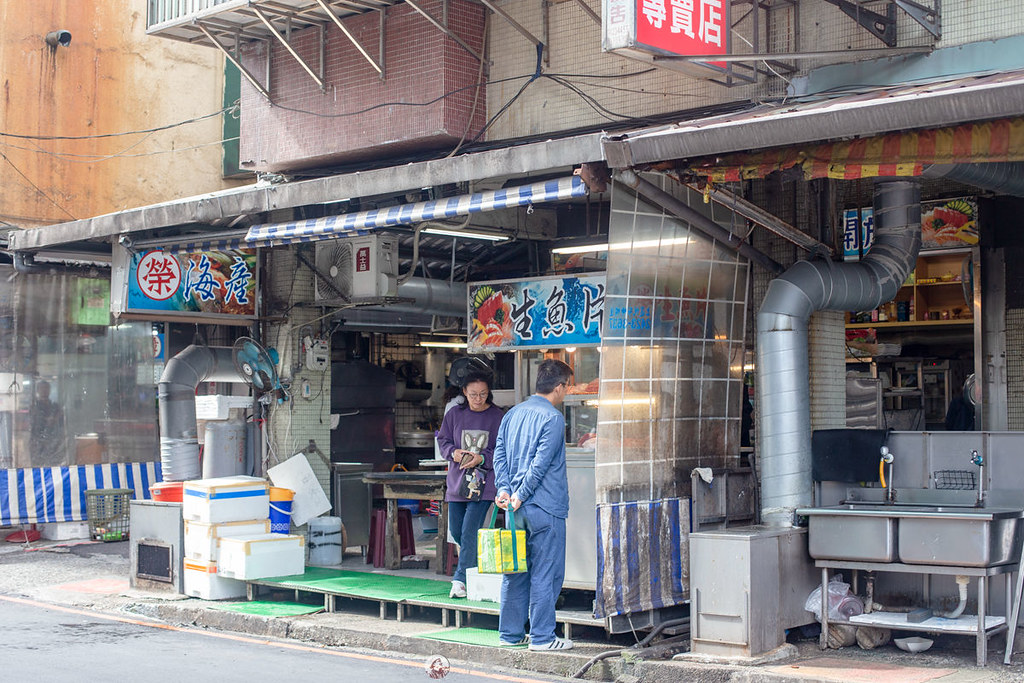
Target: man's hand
(515,502)
(502,500)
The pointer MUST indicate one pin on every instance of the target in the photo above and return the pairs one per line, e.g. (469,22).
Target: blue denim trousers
(464,520)
(533,593)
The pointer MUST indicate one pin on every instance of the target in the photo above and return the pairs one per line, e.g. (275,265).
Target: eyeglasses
(476,395)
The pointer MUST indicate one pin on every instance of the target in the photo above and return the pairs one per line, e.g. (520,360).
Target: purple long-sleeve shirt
(463,428)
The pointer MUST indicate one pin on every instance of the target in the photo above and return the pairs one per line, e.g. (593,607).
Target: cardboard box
(262,556)
(202,541)
(225,499)
(203,580)
(483,587)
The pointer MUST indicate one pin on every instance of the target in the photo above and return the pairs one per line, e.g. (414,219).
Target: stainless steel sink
(850,532)
(915,534)
(960,537)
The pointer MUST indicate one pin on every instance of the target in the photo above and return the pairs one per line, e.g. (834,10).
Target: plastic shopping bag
(842,603)
(501,551)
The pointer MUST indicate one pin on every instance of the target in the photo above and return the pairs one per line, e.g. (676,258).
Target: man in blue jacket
(530,477)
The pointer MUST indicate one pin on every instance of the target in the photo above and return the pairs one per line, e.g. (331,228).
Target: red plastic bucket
(166,491)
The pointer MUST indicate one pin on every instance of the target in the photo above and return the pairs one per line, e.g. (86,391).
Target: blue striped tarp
(354,224)
(642,556)
(57,494)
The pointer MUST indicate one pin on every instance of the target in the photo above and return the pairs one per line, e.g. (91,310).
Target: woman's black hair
(484,377)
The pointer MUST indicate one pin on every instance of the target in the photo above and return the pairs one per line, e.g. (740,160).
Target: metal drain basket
(955,480)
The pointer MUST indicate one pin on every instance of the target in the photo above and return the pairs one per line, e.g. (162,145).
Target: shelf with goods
(933,296)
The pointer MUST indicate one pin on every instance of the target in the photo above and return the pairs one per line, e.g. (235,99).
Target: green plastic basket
(107,512)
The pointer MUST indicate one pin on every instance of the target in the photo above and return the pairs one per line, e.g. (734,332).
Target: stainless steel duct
(179,444)
(432,297)
(783,404)
(1002,177)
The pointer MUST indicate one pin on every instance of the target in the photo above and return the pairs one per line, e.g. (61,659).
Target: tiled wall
(395,348)
(291,425)
(631,88)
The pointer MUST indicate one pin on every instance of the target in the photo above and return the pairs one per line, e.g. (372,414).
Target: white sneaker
(458,590)
(556,644)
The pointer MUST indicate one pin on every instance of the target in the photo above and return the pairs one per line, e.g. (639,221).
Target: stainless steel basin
(915,534)
(960,537)
(850,532)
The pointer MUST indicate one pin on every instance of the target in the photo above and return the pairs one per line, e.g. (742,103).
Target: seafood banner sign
(944,224)
(543,312)
(210,284)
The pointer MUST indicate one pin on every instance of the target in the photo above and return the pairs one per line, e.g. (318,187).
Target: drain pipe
(179,443)
(782,372)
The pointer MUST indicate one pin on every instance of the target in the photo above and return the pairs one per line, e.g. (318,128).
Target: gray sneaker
(556,644)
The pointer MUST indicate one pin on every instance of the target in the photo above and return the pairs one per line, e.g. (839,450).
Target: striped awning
(895,154)
(361,223)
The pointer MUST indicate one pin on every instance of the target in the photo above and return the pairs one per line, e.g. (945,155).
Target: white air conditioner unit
(358,268)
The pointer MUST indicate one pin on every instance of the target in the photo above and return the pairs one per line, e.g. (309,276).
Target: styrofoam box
(64,531)
(202,541)
(225,499)
(203,580)
(262,556)
(484,587)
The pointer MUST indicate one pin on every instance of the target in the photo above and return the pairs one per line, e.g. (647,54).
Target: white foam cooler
(204,580)
(262,556)
(225,499)
(202,541)
(483,587)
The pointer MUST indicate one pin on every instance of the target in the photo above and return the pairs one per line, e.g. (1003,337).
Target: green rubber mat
(269,609)
(467,636)
(373,586)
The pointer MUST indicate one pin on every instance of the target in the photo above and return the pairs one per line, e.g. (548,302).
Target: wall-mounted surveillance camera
(58,38)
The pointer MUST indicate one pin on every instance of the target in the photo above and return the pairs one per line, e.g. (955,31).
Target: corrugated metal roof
(824,117)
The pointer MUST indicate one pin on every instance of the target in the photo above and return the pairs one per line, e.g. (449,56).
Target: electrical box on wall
(318,354)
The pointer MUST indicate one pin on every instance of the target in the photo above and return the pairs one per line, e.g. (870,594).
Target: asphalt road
(47,643)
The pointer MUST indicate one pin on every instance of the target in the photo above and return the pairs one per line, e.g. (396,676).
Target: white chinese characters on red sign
(683,27)
(158,275)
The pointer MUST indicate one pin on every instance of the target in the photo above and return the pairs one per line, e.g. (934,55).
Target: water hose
(642,644)
(962,582)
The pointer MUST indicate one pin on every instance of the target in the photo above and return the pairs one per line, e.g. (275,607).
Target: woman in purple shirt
(466,440)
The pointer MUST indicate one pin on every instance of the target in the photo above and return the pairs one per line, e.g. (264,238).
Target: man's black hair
(550,374)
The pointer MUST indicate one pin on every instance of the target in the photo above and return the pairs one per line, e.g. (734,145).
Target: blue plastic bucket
(280,510)
(281,517)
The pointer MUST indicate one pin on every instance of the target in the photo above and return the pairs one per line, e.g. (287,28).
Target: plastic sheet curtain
(73,389)
(671,386)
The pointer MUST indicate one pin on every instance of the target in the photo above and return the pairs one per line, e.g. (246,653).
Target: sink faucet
(979,460)
(887,459)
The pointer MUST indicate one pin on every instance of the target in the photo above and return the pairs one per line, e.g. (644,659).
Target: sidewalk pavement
(94,576)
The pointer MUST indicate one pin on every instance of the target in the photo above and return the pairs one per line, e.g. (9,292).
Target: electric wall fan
(256,365)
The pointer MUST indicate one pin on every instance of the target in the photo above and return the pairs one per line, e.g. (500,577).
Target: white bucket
(325,541)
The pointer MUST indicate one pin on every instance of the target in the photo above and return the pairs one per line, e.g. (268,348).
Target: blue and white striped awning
(354,224)
(199,246)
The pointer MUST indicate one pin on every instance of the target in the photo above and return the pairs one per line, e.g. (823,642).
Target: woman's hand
(467,459)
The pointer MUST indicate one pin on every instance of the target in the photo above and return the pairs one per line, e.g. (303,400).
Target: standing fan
(256,366)
(462,367)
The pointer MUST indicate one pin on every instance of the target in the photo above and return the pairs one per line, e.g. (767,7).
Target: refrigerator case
(362,414)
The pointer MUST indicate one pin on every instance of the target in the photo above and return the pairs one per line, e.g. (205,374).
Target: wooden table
(416,486)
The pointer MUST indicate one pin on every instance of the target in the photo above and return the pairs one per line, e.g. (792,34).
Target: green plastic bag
(496,552)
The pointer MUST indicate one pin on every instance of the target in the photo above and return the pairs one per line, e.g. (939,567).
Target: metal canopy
(818,118)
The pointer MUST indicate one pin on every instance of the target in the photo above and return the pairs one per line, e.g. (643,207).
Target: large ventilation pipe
(1005,177)
(782,366)
(179,443)
(432,297)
